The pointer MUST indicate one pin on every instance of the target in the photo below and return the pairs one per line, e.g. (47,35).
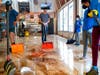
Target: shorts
(12,30)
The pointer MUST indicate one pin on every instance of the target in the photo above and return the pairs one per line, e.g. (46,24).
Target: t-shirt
(87,21)
(78,25)
(44,17)
(12,17)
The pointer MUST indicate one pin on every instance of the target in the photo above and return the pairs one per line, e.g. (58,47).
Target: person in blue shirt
(87,32)
(44,20)
(77,29)
(13,18)
(94,10)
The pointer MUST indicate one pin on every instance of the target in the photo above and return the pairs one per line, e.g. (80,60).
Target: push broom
(9,66)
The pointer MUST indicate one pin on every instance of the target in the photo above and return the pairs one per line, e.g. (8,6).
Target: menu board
(23,6)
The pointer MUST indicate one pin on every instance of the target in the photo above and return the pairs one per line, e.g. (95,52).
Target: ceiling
(61,2)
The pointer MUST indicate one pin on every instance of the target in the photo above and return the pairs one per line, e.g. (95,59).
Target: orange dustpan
(47,45)
(17,48)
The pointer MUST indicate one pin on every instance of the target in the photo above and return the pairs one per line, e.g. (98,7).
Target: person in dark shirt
(44,20)
(13,18)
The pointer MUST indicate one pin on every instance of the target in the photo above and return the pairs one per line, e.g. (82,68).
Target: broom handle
(73,35)
(7,23)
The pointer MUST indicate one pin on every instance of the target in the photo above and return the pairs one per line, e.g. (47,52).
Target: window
(65,21)
(58,21)
(81,11)
(70,17)
(66,18)
(80,8)
(61,20)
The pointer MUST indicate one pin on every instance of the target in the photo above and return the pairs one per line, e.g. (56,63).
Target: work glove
(92,12)
(45,24)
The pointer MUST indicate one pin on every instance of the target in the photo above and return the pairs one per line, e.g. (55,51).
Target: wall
(36,7)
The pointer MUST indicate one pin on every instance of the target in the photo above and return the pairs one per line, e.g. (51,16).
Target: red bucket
(47,45)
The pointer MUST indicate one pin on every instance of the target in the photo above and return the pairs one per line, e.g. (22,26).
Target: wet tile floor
(63,59)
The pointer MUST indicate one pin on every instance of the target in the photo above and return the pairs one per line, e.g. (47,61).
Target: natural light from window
(22,0)
(65,21)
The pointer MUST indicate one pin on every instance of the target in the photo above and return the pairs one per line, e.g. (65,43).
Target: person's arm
(17,19)
(40,21)
(80,23)
(16,14)
(48,19)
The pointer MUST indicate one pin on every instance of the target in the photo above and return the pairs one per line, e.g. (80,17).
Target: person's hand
(15,23)
(45,24)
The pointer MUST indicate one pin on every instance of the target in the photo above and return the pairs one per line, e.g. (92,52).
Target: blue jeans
(87,36)
(44,32)
(77,37)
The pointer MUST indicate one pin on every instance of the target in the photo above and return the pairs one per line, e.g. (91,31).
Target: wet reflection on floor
(63,59)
